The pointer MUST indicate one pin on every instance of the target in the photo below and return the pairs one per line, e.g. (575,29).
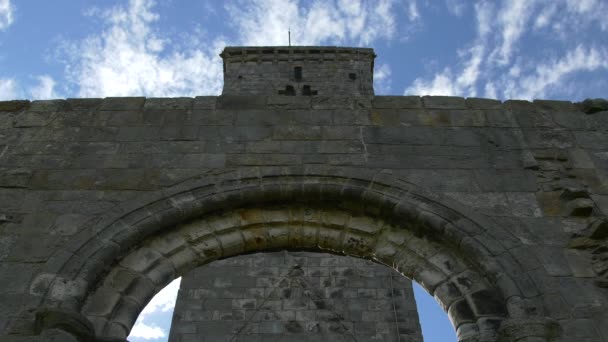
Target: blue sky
(522,49)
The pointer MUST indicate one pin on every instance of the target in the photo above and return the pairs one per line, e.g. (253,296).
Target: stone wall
(295,296)
(524,183)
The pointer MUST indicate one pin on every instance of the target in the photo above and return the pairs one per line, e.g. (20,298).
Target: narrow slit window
(297,73)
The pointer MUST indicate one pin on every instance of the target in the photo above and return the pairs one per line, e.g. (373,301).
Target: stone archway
(105,278)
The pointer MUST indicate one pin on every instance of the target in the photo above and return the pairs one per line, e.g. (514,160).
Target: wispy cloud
(147,332)
(8,89)
(512,20)
(6,14)
(130,57)
(45,89)
(539,82)
(164,301)
(496,65)
(412,10)
(42,89)
(265,22)
(382,79)
(448,82)
(594,11)
(545,16)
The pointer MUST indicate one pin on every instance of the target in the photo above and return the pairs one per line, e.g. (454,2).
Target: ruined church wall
(538,169)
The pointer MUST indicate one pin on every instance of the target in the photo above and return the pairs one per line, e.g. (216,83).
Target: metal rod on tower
(289,35)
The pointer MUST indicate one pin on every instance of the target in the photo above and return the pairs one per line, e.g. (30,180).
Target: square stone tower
(298,71)
(294,297)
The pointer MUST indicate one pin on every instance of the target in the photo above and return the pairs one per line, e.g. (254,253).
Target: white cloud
(496,64)
(591,11)
(537,83)
(583,6)
(484,12)
(45,88)
(131,58)
(163,301)
(463,83)
(545,16)
(512,19)
(8,89)
(441,84)
(490,90)
(147,332)
(412,10)
(6,14)
(446,83)
(382,79)
(265,22)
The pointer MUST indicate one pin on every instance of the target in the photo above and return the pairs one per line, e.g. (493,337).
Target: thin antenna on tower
(289,35)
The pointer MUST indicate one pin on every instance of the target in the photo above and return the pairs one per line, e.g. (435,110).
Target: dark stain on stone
(294,327)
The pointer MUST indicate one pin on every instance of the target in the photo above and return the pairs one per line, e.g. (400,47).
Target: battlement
(298,71)
(239,54)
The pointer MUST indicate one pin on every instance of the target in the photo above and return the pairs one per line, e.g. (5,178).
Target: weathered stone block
(296,133)
(174,103)
(15,178)
(443,102)
(289,102)
(553,106)
(32,119)
(591,106)
(400,102)
(14,105)
(122,103)
(80,104)
(591,139)
(204,102)
(524,204)
(481,103)
(240,102)
(47,105)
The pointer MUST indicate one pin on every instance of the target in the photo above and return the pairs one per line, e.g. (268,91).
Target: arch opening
(286,294)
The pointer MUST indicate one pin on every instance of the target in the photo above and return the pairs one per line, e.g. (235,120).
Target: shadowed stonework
(295,296)
(497,209)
